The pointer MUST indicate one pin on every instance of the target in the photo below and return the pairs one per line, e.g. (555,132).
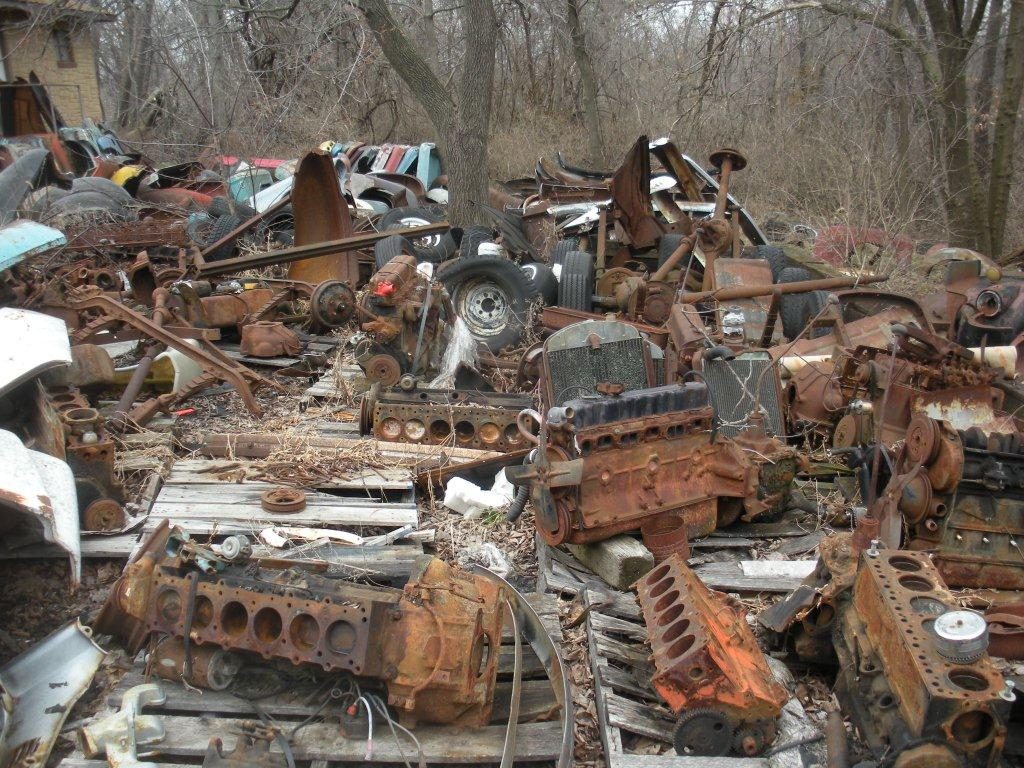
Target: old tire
(434,248)
(225,206)
(562,249)
(667,246)
(472,237)
(491,296)
(280,228)
(394,245)
(222,225)
(543,282)
(776,258)
(576,283)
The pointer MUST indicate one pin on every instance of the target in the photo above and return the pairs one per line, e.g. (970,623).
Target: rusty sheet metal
(910,692)
(434,643)
(265,338)
(127,236)
(630,191)
(481,420)
(1006,630)
(321,215)
(709,668)
(175,197)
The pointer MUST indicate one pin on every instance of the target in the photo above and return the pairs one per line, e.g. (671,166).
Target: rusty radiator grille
(576,371)
(733,386)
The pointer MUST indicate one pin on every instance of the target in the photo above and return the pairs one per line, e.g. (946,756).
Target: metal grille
(576,371)
(733,387)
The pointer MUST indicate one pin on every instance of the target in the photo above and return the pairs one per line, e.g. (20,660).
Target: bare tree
(460,113)
(588,78)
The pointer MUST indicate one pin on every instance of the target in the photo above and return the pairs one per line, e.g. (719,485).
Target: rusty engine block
(434,644)
(399,338)
(914,674)
(468,419)
(615,451)
(615,462)
(709,668)
(959,494)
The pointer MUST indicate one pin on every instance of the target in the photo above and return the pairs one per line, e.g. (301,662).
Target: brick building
(52,42)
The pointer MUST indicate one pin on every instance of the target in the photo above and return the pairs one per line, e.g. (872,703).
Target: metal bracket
(119,735)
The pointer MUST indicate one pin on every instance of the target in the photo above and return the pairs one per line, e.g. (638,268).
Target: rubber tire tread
(509,277)
(222,225)
(563,248)
(434,254)
(390,247)
(543,282)
(472,237)
(224,206)
(576,283)
(667,246)
(776,258)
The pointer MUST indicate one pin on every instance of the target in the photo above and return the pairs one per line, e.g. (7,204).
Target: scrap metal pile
(628,346)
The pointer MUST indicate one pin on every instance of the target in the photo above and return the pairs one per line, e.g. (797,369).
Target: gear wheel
(703,732)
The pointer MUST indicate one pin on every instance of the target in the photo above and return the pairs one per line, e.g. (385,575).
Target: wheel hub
(427,241)
(484,308)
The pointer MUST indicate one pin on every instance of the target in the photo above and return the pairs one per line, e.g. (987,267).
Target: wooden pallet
(561,573)
(191,718)
(628,708)
(206,502)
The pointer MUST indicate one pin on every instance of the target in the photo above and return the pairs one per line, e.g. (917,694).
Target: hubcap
(427,241)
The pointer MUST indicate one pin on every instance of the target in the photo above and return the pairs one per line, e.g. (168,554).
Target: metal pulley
(961,636)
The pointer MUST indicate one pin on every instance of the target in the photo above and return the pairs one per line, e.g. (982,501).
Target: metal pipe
(837,749)
(803,286)
(329,248)
(685,247)
(723,188)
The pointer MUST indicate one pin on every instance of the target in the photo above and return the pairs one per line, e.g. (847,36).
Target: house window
(62,44)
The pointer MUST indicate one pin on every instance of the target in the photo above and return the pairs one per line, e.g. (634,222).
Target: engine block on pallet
(433,643)
(911,690)
(466,419)
(709,668)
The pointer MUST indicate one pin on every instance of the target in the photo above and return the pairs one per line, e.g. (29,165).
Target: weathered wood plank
(536,742)
(730,577)
(210,471)
(672,760)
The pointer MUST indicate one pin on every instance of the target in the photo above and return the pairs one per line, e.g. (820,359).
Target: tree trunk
(1003,143)
(986,84)
(581,54)
(462,119)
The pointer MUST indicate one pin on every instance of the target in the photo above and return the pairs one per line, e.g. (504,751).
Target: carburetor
(405,321)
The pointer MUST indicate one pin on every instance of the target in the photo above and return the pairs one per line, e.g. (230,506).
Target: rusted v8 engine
(709,668)
(433,644)
(913,672)
(405,317)
(615,451)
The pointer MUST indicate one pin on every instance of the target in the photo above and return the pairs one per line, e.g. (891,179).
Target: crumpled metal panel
(30,343)
(24,238)
(39,688)
(40,490)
